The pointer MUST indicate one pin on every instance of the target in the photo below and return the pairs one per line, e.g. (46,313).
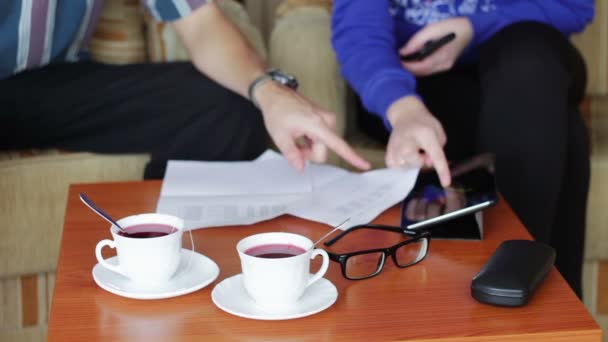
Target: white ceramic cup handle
(323,268)
(100,245)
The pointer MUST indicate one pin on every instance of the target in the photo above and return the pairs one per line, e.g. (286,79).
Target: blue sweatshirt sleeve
(363,36)
(568,16)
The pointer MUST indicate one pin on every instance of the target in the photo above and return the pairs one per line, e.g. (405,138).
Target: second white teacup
(276,268)
(150,253)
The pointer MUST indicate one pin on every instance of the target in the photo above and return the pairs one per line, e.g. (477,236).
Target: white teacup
(278,283)
(150,260)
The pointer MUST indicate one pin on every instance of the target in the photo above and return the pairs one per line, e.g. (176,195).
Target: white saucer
(194,272)
(230,296)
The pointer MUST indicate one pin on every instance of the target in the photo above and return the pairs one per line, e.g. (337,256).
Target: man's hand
(219,50)
(444,58)
(300,129)
(417,138)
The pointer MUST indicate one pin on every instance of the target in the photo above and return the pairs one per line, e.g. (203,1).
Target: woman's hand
(417,138)
(300,129)
(444,58)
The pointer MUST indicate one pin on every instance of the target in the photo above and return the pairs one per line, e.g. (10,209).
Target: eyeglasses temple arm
(370,226)
(337,237)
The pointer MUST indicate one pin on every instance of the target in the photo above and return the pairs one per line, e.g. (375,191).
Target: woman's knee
(526,37)
(528,46)
(534,54)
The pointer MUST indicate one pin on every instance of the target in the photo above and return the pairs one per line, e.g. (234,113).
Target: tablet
(430,206)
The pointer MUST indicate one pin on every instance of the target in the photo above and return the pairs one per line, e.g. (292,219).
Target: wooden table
(428,301)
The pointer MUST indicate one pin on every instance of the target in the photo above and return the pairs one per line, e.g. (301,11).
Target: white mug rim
(306,245)
(165,219)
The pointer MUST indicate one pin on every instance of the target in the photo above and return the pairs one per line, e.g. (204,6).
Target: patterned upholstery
(119,35)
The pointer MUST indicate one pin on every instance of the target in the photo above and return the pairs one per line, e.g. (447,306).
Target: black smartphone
(428,48)
(430,206)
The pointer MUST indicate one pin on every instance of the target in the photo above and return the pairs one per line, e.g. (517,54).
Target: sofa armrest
(593,44)
(34,197)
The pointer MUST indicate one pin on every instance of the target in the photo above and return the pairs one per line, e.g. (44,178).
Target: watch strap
(256,83)
(275,75)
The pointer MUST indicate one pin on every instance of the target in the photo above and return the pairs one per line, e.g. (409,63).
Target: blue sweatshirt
(367,35)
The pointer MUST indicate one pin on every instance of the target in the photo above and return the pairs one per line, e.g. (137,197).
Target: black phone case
(428,48)
(513,273)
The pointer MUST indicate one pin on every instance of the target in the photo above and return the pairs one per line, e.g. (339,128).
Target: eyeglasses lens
(411,253)
(364,265)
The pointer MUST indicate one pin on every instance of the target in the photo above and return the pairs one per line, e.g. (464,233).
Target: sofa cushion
(289,5)
(119,35)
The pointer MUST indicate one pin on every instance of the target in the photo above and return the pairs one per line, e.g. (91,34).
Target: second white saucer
(195,271)
(230,295)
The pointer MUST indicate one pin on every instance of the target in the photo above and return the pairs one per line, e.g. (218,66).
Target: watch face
(285,79)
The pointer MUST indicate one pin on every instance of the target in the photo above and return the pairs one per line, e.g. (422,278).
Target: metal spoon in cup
(331,231)
(98,210)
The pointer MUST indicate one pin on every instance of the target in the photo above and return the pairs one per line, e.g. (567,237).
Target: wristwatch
(275,75)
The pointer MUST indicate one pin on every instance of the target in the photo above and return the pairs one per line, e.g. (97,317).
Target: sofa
(34,184)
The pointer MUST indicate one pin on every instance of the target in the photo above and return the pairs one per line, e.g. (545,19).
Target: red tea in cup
(146,231)
(275,251)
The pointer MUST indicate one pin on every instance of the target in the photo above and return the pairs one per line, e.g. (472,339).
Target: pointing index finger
(440,163)
(338,145)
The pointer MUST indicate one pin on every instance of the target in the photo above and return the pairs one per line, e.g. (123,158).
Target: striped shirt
(34,33)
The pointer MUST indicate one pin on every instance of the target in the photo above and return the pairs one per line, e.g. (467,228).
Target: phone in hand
(428,48)
(430,206)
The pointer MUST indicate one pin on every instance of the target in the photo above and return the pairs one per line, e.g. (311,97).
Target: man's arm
(218,50)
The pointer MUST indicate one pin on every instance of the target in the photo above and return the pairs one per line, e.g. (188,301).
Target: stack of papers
(211,194)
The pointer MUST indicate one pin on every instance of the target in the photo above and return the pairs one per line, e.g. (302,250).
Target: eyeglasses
(368,263)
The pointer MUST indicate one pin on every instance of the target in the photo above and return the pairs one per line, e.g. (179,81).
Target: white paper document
(210,194)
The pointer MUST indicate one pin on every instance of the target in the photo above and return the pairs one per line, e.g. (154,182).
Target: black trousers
(168,110)
(521,103)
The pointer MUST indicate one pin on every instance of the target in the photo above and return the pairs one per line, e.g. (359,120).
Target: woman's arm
(364,37)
